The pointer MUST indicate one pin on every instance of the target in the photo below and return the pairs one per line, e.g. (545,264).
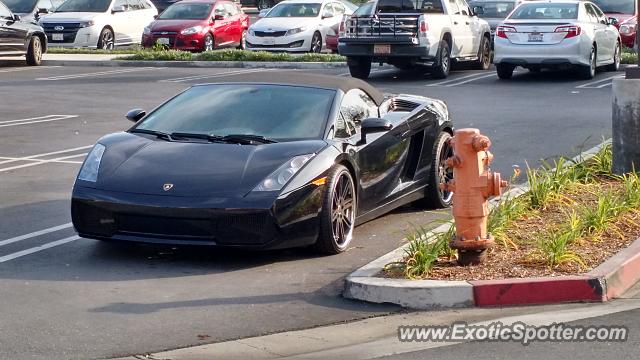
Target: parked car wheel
(443,65)
(316,43)
(264,4)
(338,215)
(34,52)
(484,55)
(505,71)
(587,72)
(106,39)
(616,59)
(208,43)
(439,174)
(359,68)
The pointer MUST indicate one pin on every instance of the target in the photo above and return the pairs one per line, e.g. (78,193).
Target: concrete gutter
(607,281)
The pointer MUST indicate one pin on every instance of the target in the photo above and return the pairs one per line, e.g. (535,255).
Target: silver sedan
(556,34)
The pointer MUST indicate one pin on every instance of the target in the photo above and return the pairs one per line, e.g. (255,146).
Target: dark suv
(20,37)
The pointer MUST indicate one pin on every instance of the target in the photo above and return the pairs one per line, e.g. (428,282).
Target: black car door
(12,33)
(381,160)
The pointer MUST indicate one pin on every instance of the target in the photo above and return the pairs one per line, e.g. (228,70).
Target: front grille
(269,33)
(163,226)
(68,31)
(382,25)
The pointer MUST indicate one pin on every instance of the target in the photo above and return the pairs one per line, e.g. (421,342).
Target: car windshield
(21,6)
(546,11)
(616,6)
(84,6)
(187,11)
(295,10)
(494,10)
(278,112)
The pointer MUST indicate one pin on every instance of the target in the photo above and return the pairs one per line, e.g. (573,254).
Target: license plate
(57,37)
(268,41)
(163,41)
(535,37)
(382,49)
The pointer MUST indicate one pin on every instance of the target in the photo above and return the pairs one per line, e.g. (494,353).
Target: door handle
(455,23)
(467,23)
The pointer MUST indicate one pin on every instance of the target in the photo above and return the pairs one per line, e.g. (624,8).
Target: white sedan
(556,34)
(298,25)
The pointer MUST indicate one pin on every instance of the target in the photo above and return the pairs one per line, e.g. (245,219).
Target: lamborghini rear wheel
(338,216)
(440,173)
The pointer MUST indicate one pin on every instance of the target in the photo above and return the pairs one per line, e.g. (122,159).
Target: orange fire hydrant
(472,186)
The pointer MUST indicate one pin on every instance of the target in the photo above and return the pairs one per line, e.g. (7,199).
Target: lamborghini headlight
(89,170)
(283,174)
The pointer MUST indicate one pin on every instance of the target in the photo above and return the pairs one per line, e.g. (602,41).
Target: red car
(198,25)
(625,12)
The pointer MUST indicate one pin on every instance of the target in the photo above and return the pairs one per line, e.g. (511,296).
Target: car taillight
(570,31)
(424,27)
(502,31)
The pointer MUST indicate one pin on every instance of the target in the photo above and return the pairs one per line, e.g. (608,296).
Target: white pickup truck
(409,33)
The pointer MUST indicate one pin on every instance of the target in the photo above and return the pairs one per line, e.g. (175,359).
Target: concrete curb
(609,280)
(201,64)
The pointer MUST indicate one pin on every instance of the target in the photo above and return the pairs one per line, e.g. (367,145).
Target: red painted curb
(621,271)
(545,290)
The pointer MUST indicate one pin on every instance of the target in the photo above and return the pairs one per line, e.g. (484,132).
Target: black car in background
(260,4)
(19,37)
(273,160)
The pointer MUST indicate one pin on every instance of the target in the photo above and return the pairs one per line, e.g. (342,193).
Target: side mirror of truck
(478,10)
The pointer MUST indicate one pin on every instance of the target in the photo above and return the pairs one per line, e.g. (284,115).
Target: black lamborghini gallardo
(274,160)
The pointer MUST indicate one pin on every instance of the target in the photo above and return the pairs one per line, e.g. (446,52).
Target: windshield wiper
(158,134)
(207,137)
(247,139)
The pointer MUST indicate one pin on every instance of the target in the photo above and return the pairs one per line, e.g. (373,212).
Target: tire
(34,51)
(435,198)
(106,41)
(243,41)
(442,66)
(587,72)
(505,71)
(484,55)
(316,43)
(359,68)
(616,59)
(338,215)
(208,44)
(264,4)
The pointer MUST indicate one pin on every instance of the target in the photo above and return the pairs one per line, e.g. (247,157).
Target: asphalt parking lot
(71,296)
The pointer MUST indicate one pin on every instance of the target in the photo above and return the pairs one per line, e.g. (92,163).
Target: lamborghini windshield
(278,112)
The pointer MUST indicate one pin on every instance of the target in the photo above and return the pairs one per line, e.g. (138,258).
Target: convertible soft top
(313,80)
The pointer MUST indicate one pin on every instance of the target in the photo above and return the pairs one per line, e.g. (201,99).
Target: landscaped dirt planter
(566,236)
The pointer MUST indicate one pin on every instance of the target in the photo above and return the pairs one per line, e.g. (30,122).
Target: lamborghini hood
(135,164)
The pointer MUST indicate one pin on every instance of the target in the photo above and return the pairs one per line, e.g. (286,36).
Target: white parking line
(17,69)
(443,83)
(36,120)
(38,248)
(40,162)
(46,154)
(210,76)
(471,80)
(97,74)
(372,72)
(596,84)
(35,234)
